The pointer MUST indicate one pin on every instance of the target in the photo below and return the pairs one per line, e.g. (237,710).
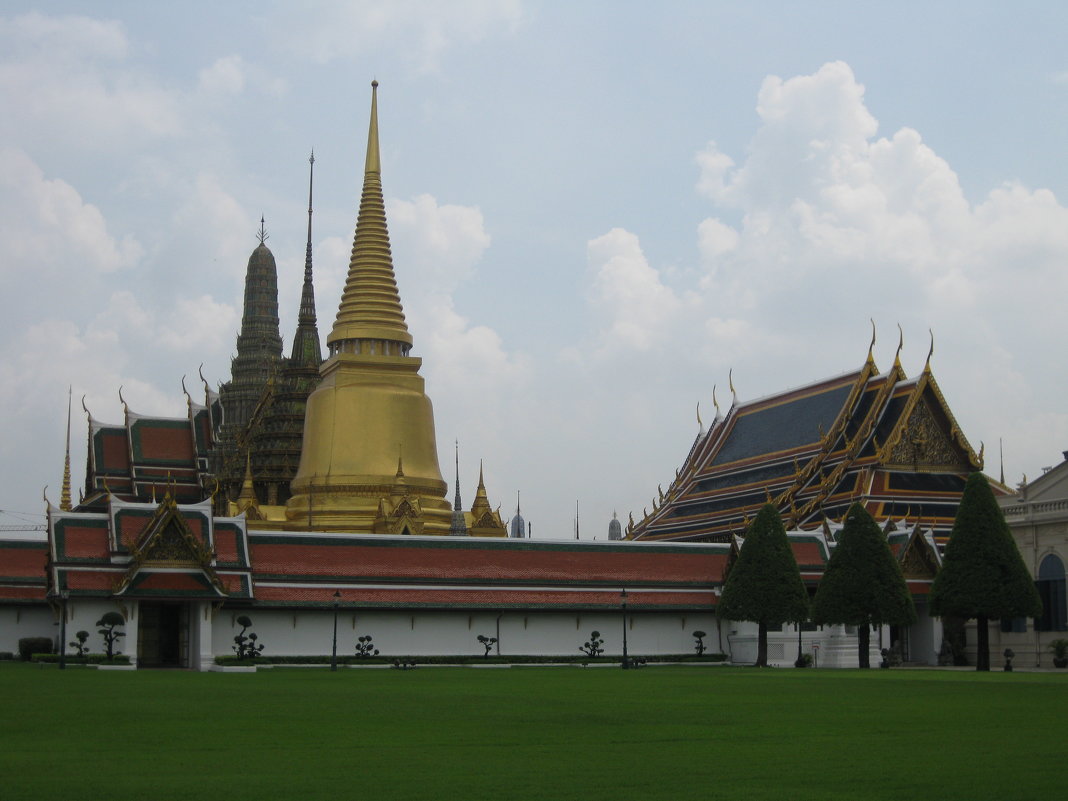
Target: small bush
(592,647)
(6,656)
(28,646)
(699,642)
(487,643)
(365,648)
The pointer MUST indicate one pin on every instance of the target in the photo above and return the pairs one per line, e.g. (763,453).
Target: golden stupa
(369,461)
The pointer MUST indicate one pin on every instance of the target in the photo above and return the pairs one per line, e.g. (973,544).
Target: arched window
(1051,588)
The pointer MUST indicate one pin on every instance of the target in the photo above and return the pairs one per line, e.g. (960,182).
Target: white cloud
(442,244)
(628,292)
(424,30)
(226,76)
(67,78)
(46,226)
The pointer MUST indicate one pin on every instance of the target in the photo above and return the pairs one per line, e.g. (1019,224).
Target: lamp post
(333,652)
(63,596)
(623,599)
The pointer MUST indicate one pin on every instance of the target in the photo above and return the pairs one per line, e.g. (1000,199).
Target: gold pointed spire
(370,307)
(481,503)
(64,495)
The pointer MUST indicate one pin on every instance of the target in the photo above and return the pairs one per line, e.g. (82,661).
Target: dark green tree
(765,586)
(109,623)
(862,585)
(983,575)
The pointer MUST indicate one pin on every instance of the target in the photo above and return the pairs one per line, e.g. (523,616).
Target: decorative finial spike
(373,162)
(871,347)
(930,353)
(64,495)
(262,233)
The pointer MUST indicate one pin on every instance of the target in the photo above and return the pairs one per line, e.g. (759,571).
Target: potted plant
(1060,652)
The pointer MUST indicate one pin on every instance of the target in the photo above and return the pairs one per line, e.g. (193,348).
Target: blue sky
(597,210)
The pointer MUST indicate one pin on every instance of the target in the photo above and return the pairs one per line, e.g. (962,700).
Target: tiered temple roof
(163,550)
(143,457)
(883,439)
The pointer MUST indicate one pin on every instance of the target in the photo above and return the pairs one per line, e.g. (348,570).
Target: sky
(599,212)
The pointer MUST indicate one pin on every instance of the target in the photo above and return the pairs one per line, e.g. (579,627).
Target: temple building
(882,439)
(1037,514)
(308,491)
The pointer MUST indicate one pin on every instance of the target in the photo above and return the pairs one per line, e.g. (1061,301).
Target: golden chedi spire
(371,399)
(370,305)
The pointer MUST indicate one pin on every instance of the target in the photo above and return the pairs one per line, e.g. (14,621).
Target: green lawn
(531,733)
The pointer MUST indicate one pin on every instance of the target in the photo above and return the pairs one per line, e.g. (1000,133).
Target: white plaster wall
(41,621)
(18,621)
(925,637)
(442,633)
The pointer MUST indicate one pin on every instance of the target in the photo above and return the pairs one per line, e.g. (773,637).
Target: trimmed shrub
(28,646)
(88,659)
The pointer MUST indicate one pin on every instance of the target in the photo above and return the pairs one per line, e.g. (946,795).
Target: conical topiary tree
(862,585)
(983,575)
(764,585)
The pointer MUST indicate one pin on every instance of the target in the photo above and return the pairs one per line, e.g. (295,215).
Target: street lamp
(623,598)
(63,596)
(333,652)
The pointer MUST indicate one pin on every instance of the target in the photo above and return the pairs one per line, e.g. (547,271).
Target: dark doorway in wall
(163,635)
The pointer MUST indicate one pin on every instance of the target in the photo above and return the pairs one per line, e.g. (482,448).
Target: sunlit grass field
(671,732)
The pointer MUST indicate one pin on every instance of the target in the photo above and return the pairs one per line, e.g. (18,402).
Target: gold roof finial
(122,400)
(900,345)
(871,347)
(714,401)
(64,495)
(730,382)
(930,353)
(700,425)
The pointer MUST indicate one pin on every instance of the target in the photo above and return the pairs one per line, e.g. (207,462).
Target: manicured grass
(531,733)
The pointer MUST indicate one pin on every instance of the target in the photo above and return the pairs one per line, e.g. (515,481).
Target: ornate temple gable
(926,436)
(405,516)
(169,542)
(919,559)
